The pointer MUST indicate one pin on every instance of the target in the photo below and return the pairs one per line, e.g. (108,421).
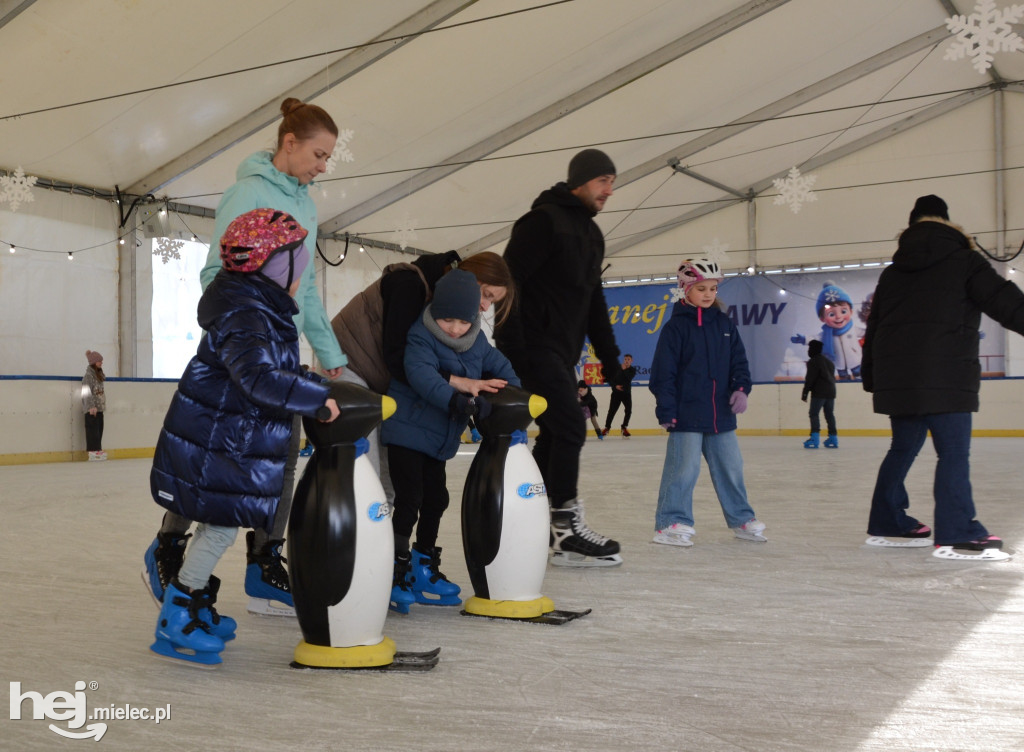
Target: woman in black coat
(921,365)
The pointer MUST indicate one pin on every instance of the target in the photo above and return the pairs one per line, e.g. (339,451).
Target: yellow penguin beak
(537,405)
(387,407)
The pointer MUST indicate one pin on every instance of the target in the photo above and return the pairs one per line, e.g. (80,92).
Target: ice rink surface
(810,642)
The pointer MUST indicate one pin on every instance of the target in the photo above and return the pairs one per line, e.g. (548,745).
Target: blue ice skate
(181,633)
(163,560)
(428,583)
(266,579)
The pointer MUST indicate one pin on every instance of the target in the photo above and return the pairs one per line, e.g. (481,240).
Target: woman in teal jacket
(278,180)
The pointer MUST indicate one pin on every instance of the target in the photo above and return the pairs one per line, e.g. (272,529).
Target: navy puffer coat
(221,453)
(698,363)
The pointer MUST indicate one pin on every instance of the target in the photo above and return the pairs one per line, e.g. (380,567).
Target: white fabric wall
(53,309)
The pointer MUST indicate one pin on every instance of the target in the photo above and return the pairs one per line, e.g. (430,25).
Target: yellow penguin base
(509,609)
(357,656)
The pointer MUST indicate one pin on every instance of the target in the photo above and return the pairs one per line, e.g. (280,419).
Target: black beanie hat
(456,296)
(929,206)
(587,165)
(814,347)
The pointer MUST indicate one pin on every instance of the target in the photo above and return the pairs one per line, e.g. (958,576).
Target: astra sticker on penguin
(841,340)
(379,511)
(529,490)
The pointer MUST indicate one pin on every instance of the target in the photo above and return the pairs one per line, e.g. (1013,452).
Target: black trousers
(421,492)
(94,432)
(624,398)
(563,429)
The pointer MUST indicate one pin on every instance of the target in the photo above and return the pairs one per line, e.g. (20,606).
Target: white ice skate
(963,554)
(882,542)
(752,530)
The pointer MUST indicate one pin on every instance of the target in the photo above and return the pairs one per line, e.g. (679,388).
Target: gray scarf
(459,345)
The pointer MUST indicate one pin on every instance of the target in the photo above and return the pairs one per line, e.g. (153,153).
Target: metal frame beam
(11,9)
(919,118)
(741,124)
(708,33)
(312,87)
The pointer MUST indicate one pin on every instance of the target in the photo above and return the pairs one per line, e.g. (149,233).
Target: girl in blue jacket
(700,380)
(220,457)
(427,426)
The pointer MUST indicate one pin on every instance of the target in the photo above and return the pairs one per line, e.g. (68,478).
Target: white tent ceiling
(467,110)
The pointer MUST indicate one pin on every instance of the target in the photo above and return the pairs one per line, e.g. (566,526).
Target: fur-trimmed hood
(928,241)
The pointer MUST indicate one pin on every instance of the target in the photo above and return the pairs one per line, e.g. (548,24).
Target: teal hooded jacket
(259,184)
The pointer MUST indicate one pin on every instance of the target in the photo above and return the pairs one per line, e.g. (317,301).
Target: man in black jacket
(921,364)
(622,394)
(555,255)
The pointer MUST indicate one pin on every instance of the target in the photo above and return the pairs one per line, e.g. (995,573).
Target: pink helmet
(252,238)
(693,271)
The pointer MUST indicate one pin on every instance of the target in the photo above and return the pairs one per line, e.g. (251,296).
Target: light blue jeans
(679,477)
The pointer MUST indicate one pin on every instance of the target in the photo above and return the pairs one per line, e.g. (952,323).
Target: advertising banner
(777,315)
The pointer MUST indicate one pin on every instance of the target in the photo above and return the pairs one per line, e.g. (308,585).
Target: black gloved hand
(461,406)
(483,407)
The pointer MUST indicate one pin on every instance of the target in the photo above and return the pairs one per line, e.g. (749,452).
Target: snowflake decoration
(717,252)
(983,33)
(341,151)
(16,189)
(795,190)
(406,232)
(167,249)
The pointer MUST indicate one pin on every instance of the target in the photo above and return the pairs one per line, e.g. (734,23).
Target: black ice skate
(574,544)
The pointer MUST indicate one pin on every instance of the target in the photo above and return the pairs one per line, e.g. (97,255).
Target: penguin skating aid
(341,545)
(505,518)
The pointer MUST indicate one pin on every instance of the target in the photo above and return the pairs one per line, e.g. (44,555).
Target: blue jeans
(954,503)
(679,477)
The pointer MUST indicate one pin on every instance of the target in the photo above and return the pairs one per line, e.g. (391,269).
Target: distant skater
(820,384)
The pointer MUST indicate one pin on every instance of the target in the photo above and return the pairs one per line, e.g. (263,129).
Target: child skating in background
(588,404)
(221,453)
(426,428)
(700,380)
(820,383)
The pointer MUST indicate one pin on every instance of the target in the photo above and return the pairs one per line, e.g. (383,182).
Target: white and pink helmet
(693,271)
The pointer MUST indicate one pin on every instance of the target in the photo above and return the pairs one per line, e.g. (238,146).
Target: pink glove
(670,425)
(738,402)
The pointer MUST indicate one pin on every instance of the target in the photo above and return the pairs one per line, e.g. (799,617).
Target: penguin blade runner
(556,617)
(403,661)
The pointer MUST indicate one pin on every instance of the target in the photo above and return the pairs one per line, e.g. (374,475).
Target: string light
(71,256)
(12,247)
(361,249)
(120,241)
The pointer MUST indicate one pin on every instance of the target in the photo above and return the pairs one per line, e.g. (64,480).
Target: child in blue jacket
(220,457)
(426,428)
(700,380)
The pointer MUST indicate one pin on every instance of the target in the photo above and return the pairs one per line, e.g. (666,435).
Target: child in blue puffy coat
(221,453)
(700,380)
(426,428)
